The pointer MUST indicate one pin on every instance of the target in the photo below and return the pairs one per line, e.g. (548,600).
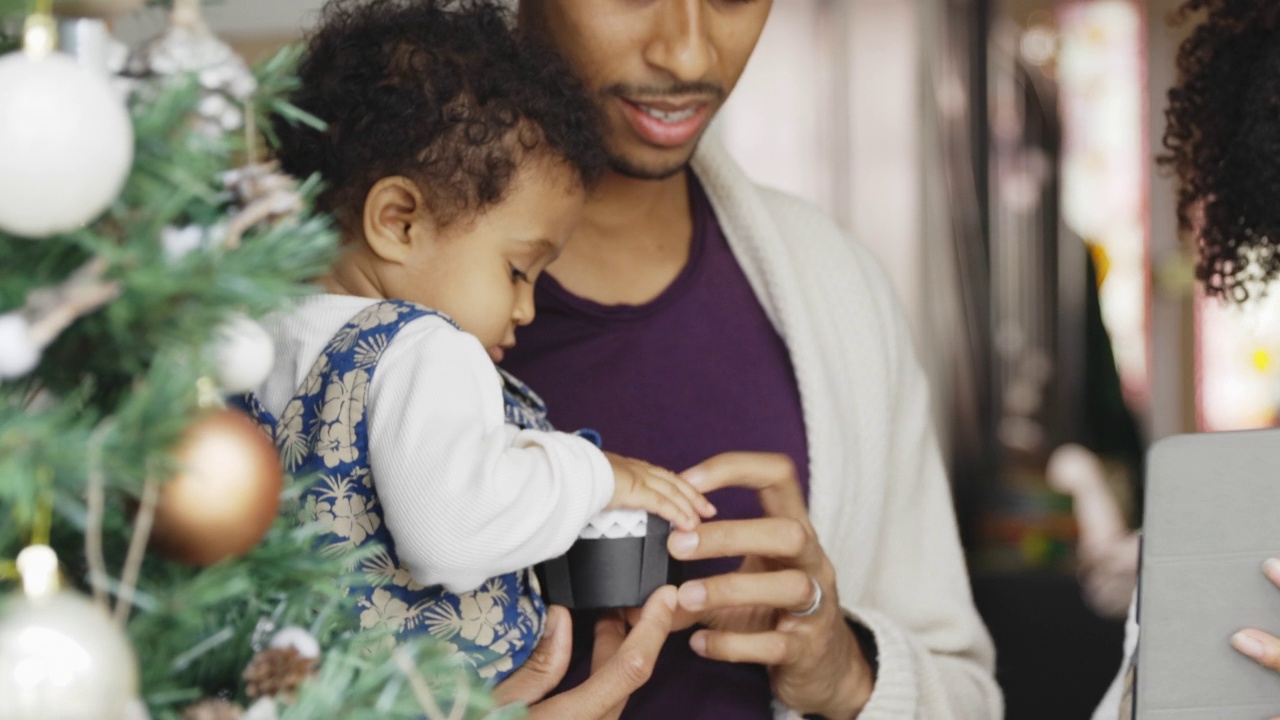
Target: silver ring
(817,601)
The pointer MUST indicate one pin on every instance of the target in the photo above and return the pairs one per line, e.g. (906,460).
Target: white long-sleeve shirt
(465,495)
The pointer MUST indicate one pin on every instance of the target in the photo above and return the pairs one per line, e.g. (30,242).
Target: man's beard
(635,171)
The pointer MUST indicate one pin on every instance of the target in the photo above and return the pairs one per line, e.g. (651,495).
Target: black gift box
(604,573)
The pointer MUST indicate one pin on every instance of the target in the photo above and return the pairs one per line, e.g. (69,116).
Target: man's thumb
(546,665)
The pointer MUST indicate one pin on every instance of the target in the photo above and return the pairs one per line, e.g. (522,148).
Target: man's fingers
(783,590)
(682,620)
(1259,646)
(772,475)
(546,665)
(766,648)
(628,666)
(611,631)
(630,662)
(654,624)
(772,537)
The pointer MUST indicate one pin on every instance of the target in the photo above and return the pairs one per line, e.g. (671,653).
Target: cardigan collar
(762,251)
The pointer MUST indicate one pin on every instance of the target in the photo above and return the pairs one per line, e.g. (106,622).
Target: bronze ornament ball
(226,492)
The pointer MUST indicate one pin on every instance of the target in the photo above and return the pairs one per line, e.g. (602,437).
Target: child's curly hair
(450,97)
(1223,141)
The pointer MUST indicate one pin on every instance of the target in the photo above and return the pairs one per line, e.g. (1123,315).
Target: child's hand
(641,486)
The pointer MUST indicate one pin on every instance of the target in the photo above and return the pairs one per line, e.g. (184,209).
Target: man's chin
(638,168)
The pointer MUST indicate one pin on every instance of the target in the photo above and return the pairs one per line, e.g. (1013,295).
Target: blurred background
(998,157)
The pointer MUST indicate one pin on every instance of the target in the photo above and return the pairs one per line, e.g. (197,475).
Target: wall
(1173,405)
(250,25)
(829,110)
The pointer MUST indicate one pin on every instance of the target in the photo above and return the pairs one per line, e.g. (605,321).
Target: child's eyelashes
(518,275)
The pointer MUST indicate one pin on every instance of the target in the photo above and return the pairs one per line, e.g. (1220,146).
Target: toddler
(457,160)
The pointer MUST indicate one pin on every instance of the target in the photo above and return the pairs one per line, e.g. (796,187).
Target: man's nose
(681,41)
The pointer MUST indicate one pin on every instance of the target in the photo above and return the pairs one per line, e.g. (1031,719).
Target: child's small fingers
(695,499)
(674,515)
(660,485)
(663,506)
(677,487)
(705,508)
(699,501)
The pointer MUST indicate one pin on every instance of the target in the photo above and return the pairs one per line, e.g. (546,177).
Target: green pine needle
(122,380)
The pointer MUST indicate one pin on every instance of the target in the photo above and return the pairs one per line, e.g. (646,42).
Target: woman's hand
(781,609)
(621,662)
(1255,644)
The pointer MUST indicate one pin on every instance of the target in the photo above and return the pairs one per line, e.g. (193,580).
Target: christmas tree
(141,231)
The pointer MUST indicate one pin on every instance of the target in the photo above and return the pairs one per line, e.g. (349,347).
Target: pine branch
(120,384)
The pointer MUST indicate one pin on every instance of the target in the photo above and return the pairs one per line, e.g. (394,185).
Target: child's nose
(523,312)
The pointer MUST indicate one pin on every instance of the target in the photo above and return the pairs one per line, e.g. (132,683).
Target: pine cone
(212,709)
(277,671)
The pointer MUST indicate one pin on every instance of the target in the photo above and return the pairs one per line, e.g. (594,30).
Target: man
(694,315)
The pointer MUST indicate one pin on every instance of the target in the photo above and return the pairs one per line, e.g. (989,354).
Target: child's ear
(395,217)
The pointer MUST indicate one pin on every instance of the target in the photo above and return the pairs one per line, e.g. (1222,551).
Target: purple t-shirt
(695,372)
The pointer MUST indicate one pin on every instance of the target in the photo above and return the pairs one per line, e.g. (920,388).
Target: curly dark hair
(1223,141)
(442,92)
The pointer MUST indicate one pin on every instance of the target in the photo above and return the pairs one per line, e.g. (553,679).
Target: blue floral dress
(323,433)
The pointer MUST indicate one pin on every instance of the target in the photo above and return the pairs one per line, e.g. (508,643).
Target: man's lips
(667,122)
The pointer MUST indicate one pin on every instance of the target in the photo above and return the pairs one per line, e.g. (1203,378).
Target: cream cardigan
(879,496)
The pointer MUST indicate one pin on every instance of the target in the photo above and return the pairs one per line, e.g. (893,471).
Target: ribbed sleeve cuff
(896,694)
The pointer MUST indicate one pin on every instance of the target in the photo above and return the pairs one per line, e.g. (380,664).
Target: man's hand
(621,662)
(781,609)
(546,665)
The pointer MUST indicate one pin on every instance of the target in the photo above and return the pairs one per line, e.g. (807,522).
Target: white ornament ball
(18,352)
(243,355)
(66,142)
(62,657)
(137,710)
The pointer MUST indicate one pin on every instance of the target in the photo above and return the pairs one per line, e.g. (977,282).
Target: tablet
(1212,518)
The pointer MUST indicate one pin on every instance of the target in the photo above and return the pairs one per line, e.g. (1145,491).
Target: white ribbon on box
(611,524)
